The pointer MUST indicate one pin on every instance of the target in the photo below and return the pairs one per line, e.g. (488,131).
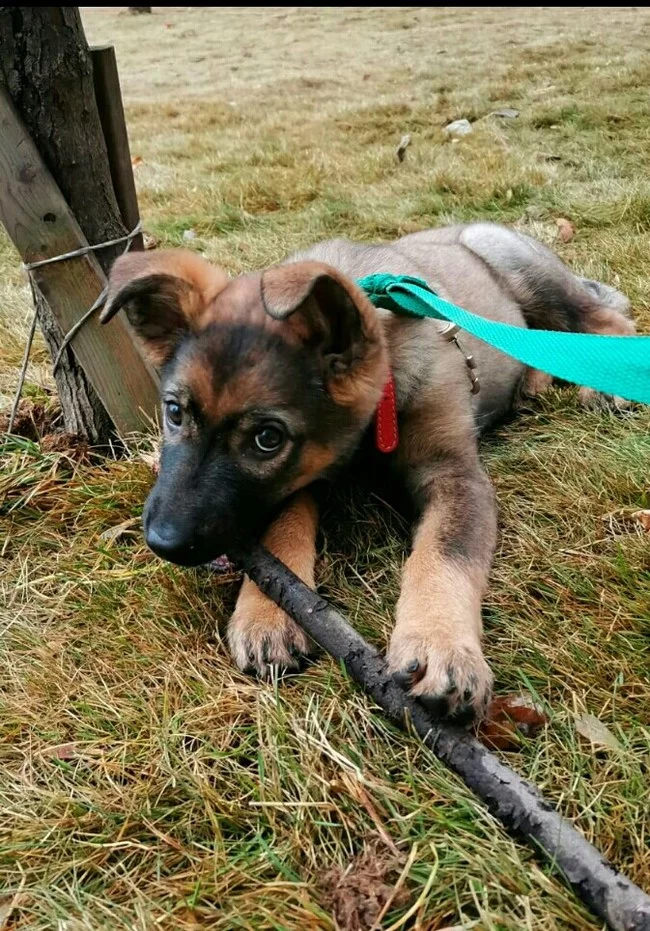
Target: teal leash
(616,365)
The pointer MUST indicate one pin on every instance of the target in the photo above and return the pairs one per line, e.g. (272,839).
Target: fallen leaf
(643,518)
(506,113)
(136,160)
(508,719)
(593,729)
(566,229)
(120,530)
(405,142)
(61,752)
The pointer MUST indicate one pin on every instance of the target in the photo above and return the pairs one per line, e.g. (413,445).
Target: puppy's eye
(173,413)
(269,439)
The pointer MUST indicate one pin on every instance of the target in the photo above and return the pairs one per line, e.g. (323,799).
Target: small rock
(507,113)
(189,235)
(459,128)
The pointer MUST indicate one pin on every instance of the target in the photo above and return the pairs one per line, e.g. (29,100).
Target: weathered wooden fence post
(41,225)
(111,113)
(54,127)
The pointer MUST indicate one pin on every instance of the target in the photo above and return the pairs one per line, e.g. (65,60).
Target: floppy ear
(164,294)
(325,310)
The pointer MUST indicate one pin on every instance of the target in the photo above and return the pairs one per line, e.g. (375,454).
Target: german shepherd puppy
(271,380)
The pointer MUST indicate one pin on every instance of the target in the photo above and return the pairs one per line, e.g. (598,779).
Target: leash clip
(450,332)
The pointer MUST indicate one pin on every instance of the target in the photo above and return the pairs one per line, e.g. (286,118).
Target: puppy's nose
(168,542)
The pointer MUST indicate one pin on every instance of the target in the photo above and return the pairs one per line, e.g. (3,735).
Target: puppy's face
(268,382)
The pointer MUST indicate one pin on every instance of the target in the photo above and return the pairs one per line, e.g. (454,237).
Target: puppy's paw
(593,400)
(452,680)
(263,639)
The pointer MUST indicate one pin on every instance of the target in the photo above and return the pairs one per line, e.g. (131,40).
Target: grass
(145,783)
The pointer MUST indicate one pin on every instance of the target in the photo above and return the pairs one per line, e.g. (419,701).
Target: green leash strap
(616,365)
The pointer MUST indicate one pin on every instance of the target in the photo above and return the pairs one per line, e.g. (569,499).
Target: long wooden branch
(516,803)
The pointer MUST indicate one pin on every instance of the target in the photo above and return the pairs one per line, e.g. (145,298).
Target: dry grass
(144,782)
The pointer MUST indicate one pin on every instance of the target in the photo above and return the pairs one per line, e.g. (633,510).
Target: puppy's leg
(260,634)
(435,648)
(606,321)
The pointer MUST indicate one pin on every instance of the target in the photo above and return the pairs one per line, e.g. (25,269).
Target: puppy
(270,382)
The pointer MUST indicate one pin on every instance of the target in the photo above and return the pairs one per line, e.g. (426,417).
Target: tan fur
(261,635)
(287,287)
(315,459)
(438,623)
(438,618)
(198,378)
(248,388)
(206,280)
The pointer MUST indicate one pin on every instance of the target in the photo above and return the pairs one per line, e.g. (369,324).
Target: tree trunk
(45,63)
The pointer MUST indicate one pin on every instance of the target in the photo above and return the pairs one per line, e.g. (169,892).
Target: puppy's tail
(551,297)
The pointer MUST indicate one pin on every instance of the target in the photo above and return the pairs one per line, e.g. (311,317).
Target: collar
(386,428)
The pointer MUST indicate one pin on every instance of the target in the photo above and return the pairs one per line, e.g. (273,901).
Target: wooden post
(45,65)
(41,225)
(111,114)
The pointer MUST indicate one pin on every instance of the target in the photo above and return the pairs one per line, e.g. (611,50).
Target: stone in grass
(189,235)
(458,128)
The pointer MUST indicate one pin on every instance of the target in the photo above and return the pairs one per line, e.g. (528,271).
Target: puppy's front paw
(262,638)
(451,679)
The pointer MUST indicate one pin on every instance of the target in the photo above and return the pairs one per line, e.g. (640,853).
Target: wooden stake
(111,113)
(41,225)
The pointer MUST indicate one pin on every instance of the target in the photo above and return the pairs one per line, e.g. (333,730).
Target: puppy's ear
(165,294)
(325,310)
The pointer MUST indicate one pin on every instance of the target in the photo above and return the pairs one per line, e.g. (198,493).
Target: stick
(516,803)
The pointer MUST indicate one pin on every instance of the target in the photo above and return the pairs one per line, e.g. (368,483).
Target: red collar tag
(386,432)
